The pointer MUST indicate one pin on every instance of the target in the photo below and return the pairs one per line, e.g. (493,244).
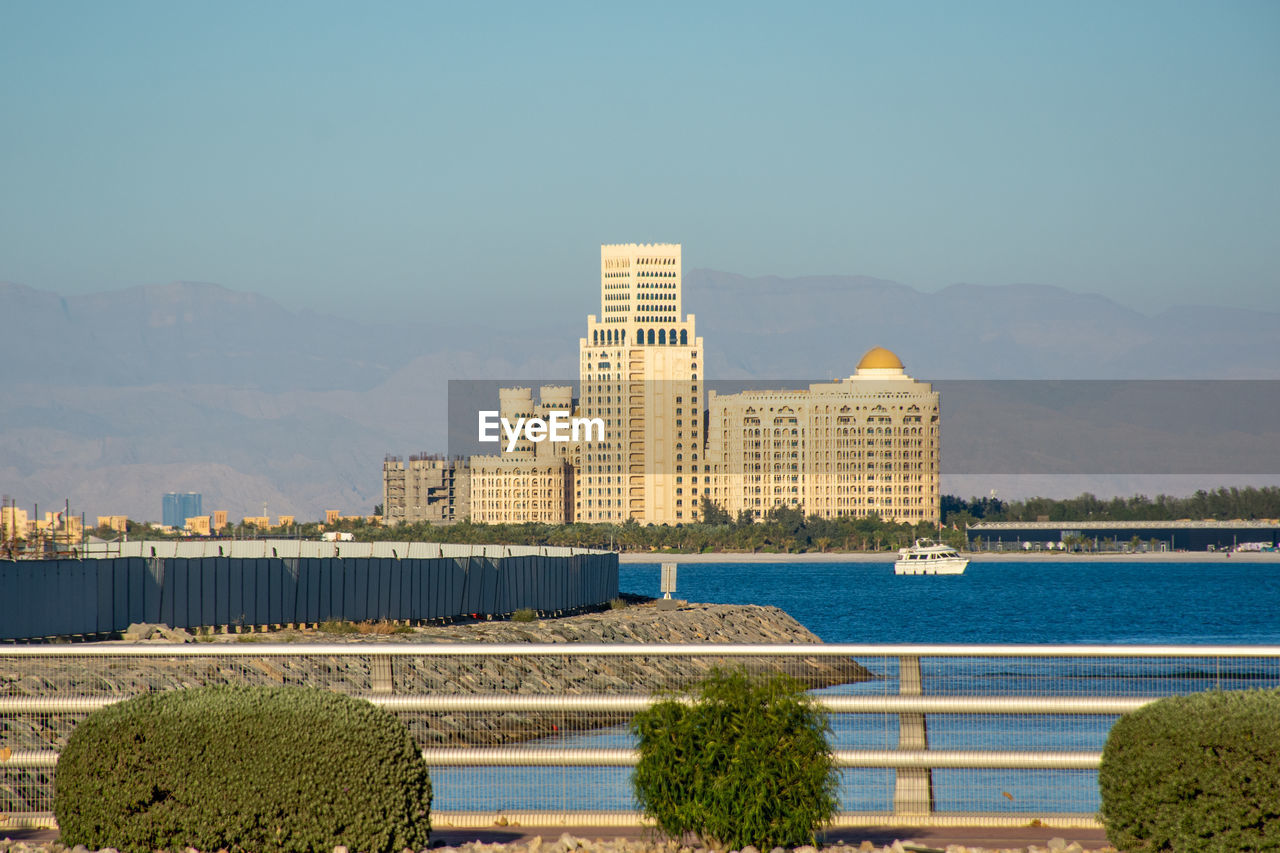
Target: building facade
(516,490)
(531,481)
(118,523)
(861,446)
(639,372)
(177,507)
(429,488)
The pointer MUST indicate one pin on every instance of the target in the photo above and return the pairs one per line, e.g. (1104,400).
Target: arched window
(684,337)
(651,336)
(639,336)
(662,336)
(672,337)
(595,337)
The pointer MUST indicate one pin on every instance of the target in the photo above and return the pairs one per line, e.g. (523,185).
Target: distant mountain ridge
(111,399)
(821,325)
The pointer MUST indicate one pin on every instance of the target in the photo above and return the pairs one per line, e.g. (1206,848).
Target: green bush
(743,760)
(524,614)
(242,769)
(1195,774)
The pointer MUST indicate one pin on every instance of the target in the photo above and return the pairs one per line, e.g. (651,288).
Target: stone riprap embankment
(447,675)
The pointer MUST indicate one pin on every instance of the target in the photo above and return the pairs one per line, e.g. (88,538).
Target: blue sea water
(1222,601)
(1215,602)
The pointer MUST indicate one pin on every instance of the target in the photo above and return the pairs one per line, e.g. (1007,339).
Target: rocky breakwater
(430,674)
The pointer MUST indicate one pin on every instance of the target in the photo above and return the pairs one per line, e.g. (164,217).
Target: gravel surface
(566,843)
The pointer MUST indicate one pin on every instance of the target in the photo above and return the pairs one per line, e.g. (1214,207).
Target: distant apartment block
(533,481)
(60,527)
(867,444)
(177,507)
(14,523)
(509,490)
(428,488)
(118,523)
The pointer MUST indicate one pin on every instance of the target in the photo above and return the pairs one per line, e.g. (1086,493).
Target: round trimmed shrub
(1195,774)
(242,769)
(742,760)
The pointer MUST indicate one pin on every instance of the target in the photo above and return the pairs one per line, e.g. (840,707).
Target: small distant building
(533,481)
(219,519)
(428,488)
(177,507)
(514,490)
(260,521)
(331,516)
(198,525)
(60,527)
(118,523)
(285,521)
(14,523)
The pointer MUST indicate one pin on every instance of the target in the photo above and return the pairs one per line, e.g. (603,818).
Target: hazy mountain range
(112,399)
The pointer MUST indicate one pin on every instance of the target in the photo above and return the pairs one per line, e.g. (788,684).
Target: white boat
(927,557)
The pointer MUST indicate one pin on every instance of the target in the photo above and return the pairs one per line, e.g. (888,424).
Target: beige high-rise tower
(640,372)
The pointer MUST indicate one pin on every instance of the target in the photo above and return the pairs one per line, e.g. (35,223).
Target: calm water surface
(1220,601)
(1213,602)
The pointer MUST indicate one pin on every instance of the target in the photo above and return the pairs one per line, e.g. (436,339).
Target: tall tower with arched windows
(639,367)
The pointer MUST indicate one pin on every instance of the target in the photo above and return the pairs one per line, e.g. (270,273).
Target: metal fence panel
(383,587)
(929,734)
(173,588)
(104,605)
(236,614)
(12,621)
(309,595)
(289,590)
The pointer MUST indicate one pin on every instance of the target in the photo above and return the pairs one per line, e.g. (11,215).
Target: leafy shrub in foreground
(745,762)
(1195,774)
(242,769)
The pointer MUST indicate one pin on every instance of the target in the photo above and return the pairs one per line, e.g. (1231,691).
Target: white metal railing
(932,734)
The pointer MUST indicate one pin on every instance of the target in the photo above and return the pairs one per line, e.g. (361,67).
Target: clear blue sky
(414,158)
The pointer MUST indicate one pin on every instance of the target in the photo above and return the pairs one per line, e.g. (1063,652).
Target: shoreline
(634,558)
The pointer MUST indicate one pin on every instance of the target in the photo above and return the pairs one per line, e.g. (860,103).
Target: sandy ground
(976,557)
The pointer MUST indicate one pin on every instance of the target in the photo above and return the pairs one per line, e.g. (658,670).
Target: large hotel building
(862,445)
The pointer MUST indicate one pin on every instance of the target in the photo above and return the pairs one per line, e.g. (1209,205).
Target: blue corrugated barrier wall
(103,595)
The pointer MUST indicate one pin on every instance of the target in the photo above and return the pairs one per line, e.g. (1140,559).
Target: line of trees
(787,530)
(1222,504)
(783,530)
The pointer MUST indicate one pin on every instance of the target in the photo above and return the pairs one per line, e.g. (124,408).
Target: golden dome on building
(879,358)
